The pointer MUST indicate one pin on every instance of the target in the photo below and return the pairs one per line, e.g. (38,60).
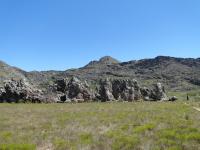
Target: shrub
(125,142)
(61,144)
(86,138)
(17,147)
(143,128)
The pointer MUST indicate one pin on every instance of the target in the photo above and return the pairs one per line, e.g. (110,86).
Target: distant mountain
(107,60)
(175,73)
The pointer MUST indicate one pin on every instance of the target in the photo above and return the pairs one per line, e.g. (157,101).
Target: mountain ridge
(176,73)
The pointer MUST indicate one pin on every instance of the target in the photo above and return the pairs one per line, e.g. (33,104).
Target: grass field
(100,126)
(194,95)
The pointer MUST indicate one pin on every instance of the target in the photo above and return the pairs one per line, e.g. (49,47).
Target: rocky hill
(9,72)
(176,74)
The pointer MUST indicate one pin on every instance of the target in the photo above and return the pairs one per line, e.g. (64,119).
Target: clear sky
(62,34)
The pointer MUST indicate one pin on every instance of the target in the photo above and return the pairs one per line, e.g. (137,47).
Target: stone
(63,98)
(173,98)
(137,92)
(106,91)
(61,85)
(119,89)
(18,90)
(146,93)
(68,101)
(79,90)
(158,93)
(74,89)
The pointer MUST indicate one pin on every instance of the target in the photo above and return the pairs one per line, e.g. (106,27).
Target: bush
(143,128)
(17,147)
(125,142)
(86,138)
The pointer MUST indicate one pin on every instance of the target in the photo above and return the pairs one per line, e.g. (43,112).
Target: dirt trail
(195,108)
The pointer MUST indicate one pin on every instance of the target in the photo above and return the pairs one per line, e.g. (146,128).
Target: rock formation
(119,89)
(15,91)
(76,90)
(106,91)
(173,98)
(159,92)
(129,90)
(180,74)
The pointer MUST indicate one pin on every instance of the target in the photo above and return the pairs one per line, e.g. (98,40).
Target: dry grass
(100,126)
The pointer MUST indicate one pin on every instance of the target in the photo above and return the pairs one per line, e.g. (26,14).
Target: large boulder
(146,93)
(16,90)
(173,98)
(127,90)
(106,90)
(119,89)
(137,91)
(74,89)
(79,90)
(159,92)
(61,85)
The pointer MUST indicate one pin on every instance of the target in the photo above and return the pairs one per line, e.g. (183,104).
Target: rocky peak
(8,72)
(2,64)
(163,57)
(106,60)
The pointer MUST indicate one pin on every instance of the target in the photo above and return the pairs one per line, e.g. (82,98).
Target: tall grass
(100,126)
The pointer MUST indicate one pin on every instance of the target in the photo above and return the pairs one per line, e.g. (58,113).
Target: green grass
(17,147)
(194,95)
(100,126)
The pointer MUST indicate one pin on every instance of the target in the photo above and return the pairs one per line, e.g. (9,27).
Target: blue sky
(62,34)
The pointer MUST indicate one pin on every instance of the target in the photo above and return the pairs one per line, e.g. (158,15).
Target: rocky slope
(9,72)
(177,74)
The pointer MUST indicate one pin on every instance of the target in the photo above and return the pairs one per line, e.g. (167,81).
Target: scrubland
(100,126)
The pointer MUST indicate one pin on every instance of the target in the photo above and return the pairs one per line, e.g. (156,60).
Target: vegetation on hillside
(177,74)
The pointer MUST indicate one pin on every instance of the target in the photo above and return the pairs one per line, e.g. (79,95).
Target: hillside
(177,74)
(9,72)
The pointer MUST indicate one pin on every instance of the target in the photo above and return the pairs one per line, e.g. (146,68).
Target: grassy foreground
(100,126)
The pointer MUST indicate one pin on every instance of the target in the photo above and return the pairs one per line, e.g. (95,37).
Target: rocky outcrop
(157,93)
(119,89)
(74,89)
(106,91)
(180,74)
(19,90)
(106,60)
(129,90)
(78,90)
(146,93)
(173,98)
(61,85)
(109,90)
